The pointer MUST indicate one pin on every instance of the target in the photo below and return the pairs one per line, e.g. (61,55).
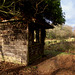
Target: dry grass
(63,46)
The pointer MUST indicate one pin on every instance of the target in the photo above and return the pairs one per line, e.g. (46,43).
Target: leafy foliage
(49,9)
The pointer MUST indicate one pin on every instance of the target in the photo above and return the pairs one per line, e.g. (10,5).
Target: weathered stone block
(17,43)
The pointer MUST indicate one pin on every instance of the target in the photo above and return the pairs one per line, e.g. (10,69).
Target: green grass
(54,53)
(46,52)
(57,46)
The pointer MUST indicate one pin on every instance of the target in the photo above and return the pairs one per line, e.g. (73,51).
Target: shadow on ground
(53,62)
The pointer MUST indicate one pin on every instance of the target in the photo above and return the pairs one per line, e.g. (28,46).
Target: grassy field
(57,46)
(53,41)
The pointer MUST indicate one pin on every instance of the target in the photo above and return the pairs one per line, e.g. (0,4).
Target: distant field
(57,46)
(53,41)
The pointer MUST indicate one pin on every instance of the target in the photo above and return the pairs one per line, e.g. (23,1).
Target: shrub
(59,32)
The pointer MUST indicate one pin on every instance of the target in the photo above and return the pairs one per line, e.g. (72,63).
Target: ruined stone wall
(13,42)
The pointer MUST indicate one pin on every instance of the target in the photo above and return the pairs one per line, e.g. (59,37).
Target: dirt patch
(58,65)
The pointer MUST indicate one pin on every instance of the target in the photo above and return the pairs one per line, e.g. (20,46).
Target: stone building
(18,44)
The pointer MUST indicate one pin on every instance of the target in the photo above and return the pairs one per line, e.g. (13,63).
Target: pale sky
(68,6)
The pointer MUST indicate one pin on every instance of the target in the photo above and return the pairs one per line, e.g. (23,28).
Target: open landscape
(37,37)
(58,59)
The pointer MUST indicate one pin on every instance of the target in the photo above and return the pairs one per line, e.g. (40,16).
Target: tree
(49,9)
(7,8)
(60,32)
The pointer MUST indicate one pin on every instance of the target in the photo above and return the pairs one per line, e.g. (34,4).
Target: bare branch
(7,6)
(37,4)
(36,9)
(44,9)
(3,2)
(40,11)
(40,2)
(6,12)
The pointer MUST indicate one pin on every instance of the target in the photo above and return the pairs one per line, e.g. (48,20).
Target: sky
(68,6)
